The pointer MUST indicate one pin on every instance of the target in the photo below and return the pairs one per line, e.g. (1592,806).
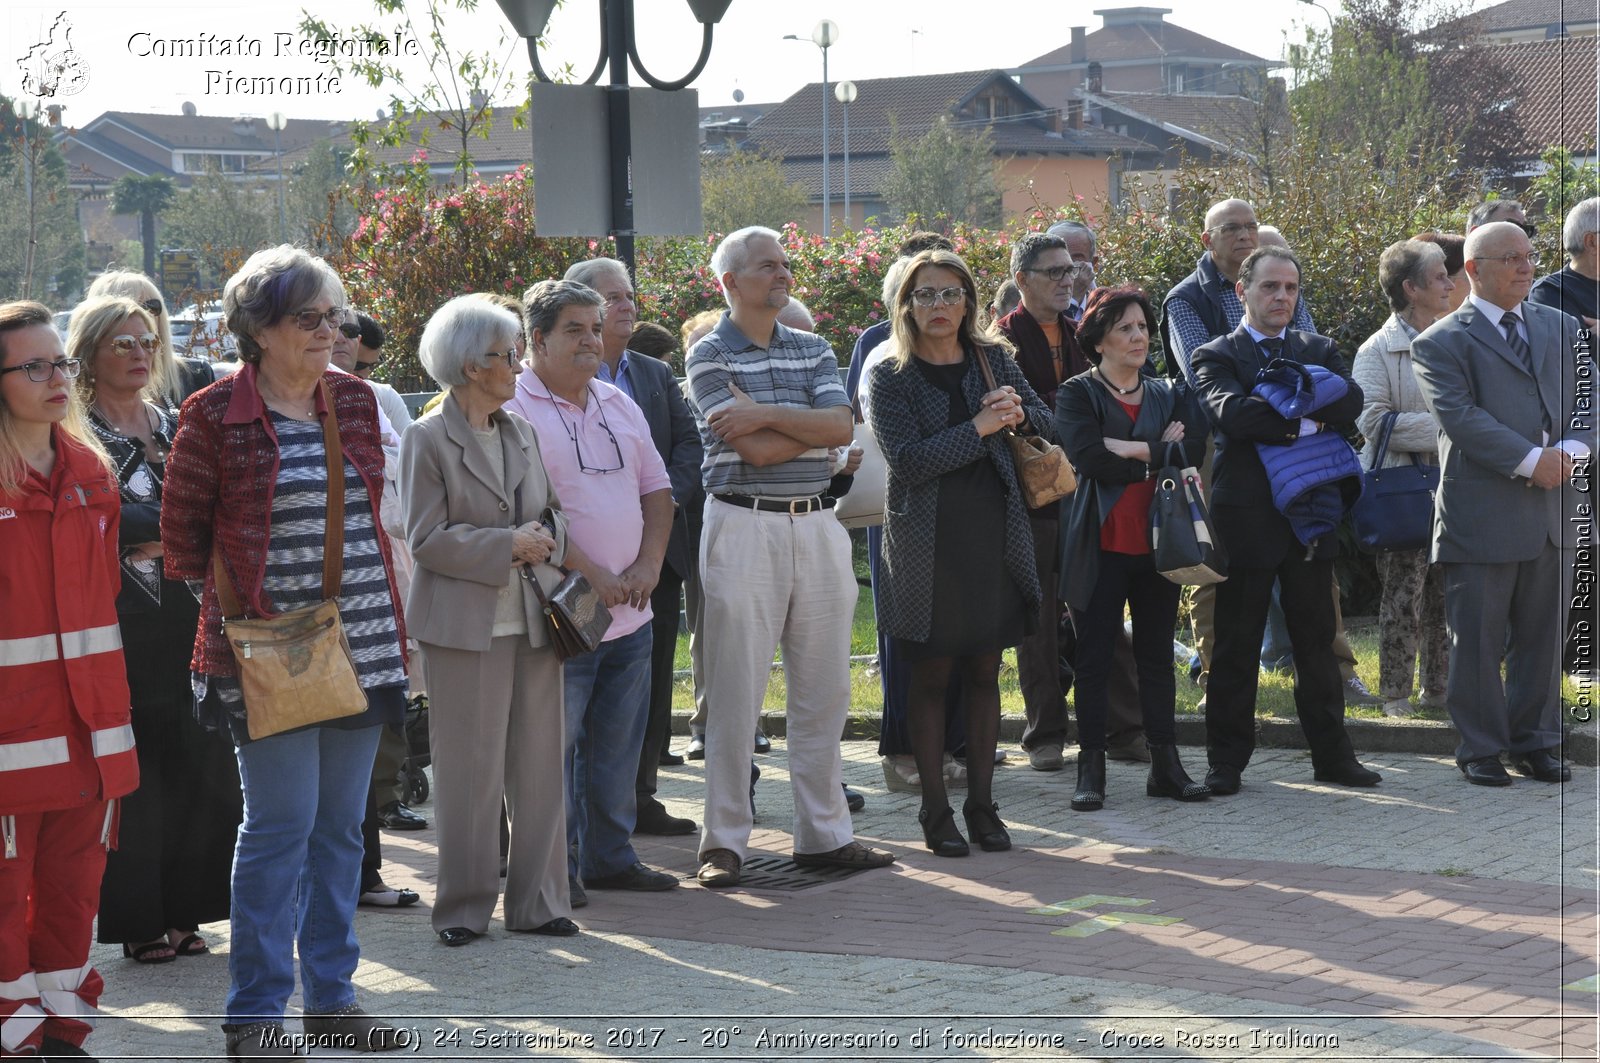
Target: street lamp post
(276,122)
(824,35)
(618,46)
(845,92)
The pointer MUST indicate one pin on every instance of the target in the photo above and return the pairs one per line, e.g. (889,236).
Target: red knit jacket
(219,483)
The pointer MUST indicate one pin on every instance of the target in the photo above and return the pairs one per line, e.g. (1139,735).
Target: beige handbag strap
(332,529)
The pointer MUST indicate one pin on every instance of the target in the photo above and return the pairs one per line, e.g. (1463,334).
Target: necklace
(1120,391)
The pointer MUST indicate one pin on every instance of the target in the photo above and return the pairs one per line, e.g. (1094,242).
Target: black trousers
(664,602)
(1129,579)
(1241,617)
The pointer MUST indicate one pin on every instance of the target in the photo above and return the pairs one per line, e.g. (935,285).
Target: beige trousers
(496,734)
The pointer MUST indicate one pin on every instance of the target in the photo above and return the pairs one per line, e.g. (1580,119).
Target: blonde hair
(974,333)
(165,381)
(14,317)
(705,319)
(92,321)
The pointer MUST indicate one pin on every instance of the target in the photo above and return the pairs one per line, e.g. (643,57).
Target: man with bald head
(1512,385)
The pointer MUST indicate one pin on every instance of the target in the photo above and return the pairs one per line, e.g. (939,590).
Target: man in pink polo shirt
(614,489)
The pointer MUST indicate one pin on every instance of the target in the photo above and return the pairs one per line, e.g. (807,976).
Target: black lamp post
(617,47)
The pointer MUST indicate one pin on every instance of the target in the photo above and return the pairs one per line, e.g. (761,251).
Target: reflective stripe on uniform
(34,649)
(61,993)
(90,640)
(112,740)
(19,756)
(18,1027)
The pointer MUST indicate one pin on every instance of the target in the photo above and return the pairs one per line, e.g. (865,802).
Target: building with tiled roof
(1137,50)
(1198,125)
(1521,21)
(1042,159)
(1556,95)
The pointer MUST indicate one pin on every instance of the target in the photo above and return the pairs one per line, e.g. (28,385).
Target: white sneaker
(1399,708)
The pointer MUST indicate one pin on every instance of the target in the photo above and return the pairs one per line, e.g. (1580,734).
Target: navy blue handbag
(1395,510)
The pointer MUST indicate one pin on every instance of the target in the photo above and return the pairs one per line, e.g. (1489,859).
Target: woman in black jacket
(1116,422)
(957,581)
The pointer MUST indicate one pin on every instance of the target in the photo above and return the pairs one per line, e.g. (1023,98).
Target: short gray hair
(893,277)
(1406,260)
(1581,220)
(591,269)
(1026,251)
(272,283)
(1064,229)
(797,315)
(734,251)
(1490,210)
(460,333)
(542,304)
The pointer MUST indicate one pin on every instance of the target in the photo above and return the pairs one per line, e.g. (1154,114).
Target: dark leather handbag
(1043,471)
(574,614)
(1395,510)
(1183,545)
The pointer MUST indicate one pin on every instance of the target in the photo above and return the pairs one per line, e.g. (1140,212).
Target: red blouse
(1126,529)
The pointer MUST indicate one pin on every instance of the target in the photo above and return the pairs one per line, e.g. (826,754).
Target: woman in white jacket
(1411,612)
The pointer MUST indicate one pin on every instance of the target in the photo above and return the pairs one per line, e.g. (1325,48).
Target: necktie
(1514,340)
(1271,348)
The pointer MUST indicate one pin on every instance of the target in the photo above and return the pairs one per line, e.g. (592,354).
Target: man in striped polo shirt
(774,561)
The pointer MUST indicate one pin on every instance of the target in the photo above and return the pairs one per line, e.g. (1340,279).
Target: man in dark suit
(649,382)
(1260,542)
(1512,385)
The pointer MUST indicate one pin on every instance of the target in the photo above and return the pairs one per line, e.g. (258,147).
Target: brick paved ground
(1424,920)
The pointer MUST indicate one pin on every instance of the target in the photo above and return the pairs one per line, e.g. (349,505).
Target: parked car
(204,336)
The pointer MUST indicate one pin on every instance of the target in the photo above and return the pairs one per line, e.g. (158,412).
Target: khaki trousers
(496,734)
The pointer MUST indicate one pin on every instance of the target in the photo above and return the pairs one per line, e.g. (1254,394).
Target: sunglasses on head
(366,367)
(155,306)
(350,330)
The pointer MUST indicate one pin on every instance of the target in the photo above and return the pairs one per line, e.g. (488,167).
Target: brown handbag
(575,617)
(1043,471)
(295,668)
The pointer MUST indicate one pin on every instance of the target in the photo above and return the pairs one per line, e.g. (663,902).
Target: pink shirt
(604,516)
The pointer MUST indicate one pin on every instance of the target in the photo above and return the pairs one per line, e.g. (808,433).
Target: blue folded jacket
(1317,478)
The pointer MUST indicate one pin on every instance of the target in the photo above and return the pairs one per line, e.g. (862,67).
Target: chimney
(1078,51)
(1074,113)
(1094,78)
(479,99)
(54,111)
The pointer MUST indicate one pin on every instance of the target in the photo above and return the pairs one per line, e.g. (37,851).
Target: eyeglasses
(512,357)
(155,306)
(1055,273)
(349,330)
(39,371)
(1511,261)
(1234,228)
(125,344)
(572,434)
(311,320)
(366,367)
(939,296)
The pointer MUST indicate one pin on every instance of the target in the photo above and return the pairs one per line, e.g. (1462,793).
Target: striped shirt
(294,558)
(798,370)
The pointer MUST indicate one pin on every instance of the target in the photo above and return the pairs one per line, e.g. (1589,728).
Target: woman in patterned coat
(958,578)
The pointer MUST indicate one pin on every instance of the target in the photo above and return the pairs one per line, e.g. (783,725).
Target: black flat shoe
(456,936)
(940,834)
(984,826)
(559,927)
(1485,771)
(1223,781)
(668,759)
(1168,779)
(1090,795)
(1541,764)
(1348,773)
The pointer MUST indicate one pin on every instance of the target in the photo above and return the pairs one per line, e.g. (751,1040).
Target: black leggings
(979,678)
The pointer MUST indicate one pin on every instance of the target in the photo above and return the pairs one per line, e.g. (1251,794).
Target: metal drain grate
(780,873)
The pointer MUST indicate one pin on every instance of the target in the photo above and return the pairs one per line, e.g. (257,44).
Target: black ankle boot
(940,834)
(1168,779)
(984,826)
(1091,793)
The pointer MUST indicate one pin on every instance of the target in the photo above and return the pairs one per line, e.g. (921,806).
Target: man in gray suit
(649,382)
(1512,385)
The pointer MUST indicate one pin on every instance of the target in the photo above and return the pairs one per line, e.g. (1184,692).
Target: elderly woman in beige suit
(480,512)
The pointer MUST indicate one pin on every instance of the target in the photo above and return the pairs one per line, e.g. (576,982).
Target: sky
(131,57)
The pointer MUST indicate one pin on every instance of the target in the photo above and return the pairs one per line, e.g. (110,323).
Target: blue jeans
(607,696)
(297,870)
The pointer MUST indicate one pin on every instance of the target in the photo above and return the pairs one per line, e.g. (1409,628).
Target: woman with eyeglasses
(479,511)
(173,377)
(169,872)
(957,574)
(247,490)
(66,745)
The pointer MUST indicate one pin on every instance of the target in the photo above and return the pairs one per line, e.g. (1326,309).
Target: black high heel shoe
(1090,795)
(1168,779)
(984,826)
(940,834)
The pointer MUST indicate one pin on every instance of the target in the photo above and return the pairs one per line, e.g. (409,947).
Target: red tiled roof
(793,128)
(1226,120)
(1556,95)
(1145,40)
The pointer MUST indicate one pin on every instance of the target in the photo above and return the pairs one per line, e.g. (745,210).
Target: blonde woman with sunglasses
(169,874)
(173,377)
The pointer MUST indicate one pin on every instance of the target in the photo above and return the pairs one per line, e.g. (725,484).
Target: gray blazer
(1492,412)
(910,420)
(459,525)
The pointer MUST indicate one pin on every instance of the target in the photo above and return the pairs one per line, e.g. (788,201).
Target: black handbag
(1183,545)
(1395,510)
